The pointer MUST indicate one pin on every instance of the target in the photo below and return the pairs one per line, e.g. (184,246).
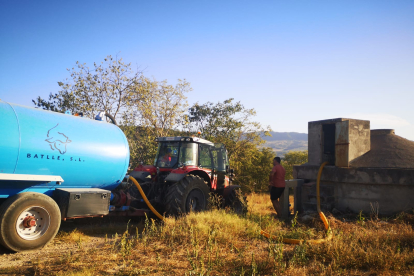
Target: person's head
(276,160)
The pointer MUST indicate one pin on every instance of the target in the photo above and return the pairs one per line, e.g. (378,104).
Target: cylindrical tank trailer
(54,164)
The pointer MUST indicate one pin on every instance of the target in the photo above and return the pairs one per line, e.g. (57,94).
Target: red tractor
(186,171)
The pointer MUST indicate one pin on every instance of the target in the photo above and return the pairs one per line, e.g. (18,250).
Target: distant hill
(281,136)
(283,142)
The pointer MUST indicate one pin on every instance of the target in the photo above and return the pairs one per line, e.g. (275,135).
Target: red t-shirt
(278,176)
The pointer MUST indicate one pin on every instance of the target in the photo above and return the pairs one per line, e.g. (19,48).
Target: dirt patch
(96,232)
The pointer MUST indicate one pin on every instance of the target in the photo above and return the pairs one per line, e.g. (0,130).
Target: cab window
(219,157)
(167,155)
(188,154)
(205,157)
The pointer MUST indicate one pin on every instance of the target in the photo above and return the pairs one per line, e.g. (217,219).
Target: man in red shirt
(277,184)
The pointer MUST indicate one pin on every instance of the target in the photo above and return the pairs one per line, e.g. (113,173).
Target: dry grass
(74,236)
(218,242)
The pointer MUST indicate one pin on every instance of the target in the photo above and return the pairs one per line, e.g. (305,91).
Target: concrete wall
(359,138)
(314,143)
(355,188)
(391,199)
(342,144)
(357,175)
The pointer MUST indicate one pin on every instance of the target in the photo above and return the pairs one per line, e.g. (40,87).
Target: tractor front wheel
(190,194)
(237,202)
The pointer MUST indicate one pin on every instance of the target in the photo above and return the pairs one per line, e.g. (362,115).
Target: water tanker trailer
(53,166)
(56,166)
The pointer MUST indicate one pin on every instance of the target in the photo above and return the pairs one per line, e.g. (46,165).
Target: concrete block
(284,199)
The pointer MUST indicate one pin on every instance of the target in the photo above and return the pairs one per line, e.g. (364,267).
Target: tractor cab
(175,152)
(185,171)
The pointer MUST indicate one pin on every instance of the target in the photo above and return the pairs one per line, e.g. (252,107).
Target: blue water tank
(85,153)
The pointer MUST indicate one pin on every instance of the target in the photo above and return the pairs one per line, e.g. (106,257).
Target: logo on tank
(57,140)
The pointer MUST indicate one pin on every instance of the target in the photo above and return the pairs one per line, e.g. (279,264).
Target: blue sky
(292,61)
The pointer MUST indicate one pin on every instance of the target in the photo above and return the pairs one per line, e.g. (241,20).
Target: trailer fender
(175,177)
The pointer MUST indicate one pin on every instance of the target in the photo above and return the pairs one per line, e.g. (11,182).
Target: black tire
(44,210)
(189,194)
(133,190)
(138,202)
(236,204)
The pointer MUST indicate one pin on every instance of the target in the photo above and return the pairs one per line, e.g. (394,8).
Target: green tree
(156,114)
(163,106)
(58,102)
(227,122)
(111,86)
(293,158)
(253,168)
(230,123)
(143,108)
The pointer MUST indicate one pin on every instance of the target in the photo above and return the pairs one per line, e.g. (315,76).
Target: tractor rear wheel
(190,194)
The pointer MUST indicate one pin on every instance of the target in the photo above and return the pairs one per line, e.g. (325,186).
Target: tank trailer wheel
(189,194)
(234,201)
(28,221)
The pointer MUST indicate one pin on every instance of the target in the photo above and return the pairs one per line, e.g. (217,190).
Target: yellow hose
(321,215)
(145,198)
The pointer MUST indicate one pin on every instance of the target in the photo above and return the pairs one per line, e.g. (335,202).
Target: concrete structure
(291,184)
(367,168)
(337,141)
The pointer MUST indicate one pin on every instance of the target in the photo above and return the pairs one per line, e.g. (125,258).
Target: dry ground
(219,242)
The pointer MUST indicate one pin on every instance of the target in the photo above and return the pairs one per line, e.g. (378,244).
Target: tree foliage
(230,123)
(157,114)
(163,105)
(143,108)
(111,86)
(219,120)
(293,158)
(253,167)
